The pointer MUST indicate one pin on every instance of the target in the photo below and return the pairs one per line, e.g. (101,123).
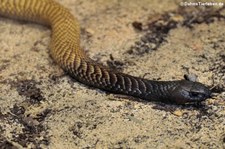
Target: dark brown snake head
(189,92)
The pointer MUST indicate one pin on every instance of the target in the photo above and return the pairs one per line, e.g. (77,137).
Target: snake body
(65,50)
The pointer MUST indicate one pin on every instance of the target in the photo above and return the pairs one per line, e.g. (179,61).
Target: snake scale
(65,50)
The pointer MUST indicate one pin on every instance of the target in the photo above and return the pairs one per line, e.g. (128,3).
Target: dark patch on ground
(157,29)
(33,128)
(4,143)
(29,89)
(33,131)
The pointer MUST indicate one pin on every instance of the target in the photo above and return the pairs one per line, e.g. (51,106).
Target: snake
(66,51)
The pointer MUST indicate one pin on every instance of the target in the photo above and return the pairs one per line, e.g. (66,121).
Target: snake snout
(199,96)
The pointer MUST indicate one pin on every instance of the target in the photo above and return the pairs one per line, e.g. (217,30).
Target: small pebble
(178,113)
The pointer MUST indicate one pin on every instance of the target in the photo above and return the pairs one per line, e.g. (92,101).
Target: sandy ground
(42,107)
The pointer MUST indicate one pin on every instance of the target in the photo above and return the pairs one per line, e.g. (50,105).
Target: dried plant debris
(29,89)
(157,29)
(32,133)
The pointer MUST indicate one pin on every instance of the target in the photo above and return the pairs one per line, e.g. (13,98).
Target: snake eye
(196,95)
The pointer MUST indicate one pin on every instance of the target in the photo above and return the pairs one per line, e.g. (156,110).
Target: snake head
(189,92)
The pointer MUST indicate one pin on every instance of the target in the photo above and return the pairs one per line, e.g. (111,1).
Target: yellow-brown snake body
(65,50)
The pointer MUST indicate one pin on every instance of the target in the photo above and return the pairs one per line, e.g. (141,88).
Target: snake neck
(98,76)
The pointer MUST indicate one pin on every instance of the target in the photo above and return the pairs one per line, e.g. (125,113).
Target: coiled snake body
(65,50)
